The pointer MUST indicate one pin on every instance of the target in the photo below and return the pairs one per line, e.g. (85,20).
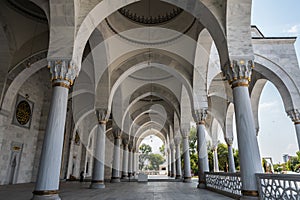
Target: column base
(187,179)
(201,185)
(249,194)
(178,177)
(97,185)
(46,197)
(125,177)
(115,180)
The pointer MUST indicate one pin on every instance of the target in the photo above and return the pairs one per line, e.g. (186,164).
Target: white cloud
(294,29)
(268,105)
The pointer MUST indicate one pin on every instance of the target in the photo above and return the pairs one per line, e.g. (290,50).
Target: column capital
(130,146)
(238,72)
(177,140)
(125,141)
(294,115)
(63,72)
(117,133)
(229,141)
(133,150)
(201,115)
(101,116)
(185,133)
(172,145)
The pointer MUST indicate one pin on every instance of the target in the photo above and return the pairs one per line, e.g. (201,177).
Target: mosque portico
(86,82)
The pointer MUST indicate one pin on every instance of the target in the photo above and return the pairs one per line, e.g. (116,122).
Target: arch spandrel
(286,85)
(99,12)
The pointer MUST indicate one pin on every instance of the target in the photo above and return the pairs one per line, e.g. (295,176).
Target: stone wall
(14,135)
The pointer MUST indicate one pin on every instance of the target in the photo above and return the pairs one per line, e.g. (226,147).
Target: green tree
(193,140)
(155,161)
(223,157)
(145,151)
(193,150)
(236,158)
(162,150)
(293,163)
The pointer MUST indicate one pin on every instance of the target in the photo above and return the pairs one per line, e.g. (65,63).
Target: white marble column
(177,141)
(173,163)
(136,162)
(99,154)
(203,165)
(47,183)
(186,156)
(231,163)
(238,73)
(125,159)
(216,160)
(130,160)
(133,162)
(295,116)
(116,157)
(169,161)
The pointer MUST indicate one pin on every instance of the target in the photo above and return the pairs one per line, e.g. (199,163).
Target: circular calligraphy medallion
(23,112)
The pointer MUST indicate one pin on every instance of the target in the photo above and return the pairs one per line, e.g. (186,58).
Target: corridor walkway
(116,191)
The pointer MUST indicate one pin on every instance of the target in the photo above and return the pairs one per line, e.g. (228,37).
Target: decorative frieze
(62,71)
(238,71)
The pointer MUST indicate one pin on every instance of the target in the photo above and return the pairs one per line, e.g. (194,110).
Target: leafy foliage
(193,150)
(223,158)
(145,150)
(162,150)
(155,161)
(293,164)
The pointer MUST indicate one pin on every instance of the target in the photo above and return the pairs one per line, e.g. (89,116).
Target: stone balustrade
(229,184)
(278,186)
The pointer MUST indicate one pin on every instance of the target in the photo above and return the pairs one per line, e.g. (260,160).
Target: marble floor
(125,190)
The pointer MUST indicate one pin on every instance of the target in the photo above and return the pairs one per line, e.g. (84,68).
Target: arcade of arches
(83,82)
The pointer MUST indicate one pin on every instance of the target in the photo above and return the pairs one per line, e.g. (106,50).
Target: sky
(277,136)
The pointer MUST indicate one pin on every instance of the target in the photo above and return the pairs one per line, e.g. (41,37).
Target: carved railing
(278,186)
(229,184)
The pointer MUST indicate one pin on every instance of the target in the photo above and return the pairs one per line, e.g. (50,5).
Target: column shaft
(116,161)
(202,155)
(297,127)
(173,163)
(295,116)
(231,159)
(49,169)
(169,163)
(216,160)
(133,163)
(187,161)
(99,158)
(178,162)
(250,161)
(125,162)
(130,160)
